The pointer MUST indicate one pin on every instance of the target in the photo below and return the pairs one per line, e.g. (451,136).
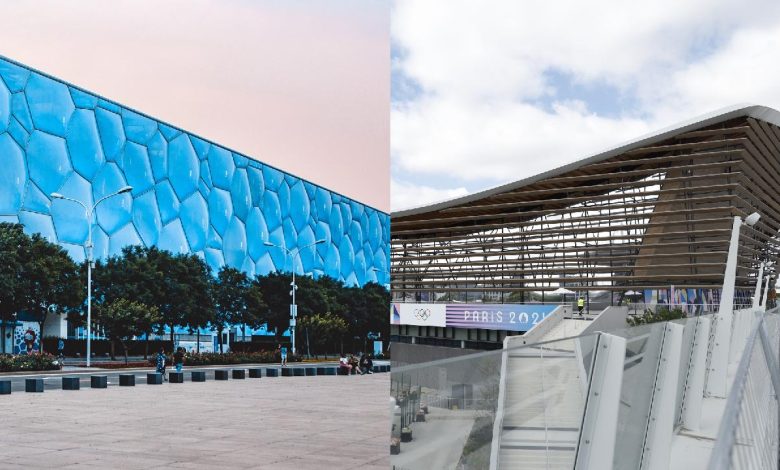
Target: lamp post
(293,307)
(90,214)
(759,280)
(763,303)
(716,379)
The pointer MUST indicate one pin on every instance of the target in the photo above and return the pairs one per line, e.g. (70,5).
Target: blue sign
(511,317)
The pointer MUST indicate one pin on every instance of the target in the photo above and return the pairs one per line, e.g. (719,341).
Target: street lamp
(293,307)
(90,214)
(763,303)
(716,379)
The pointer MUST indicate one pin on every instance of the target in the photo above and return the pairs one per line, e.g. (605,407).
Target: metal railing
(748,433)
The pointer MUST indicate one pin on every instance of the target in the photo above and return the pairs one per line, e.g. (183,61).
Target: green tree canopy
(177,285)
(236,300)
(51,280)
(324,330)
(13,296)
(122,319)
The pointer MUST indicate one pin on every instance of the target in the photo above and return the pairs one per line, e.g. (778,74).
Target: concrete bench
(255,373)
(198,376)
(299,372)
(33,385)
(154,379)
(239,374)
(311,371)
(127,380)
(71,383)
(176,377)
(287,372)
(269,372)
(343,371)
(5,387)
(99,381)
(220,374)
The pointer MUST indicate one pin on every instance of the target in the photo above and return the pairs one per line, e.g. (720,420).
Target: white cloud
(491,112)
(407,195)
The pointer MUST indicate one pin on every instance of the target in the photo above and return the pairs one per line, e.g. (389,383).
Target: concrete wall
(612,318)
(536,333)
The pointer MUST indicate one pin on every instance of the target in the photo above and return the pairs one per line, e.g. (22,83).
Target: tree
(51,280)
(13,297)
(275,289)
(186,288)
(178,285)
(132,275)
(236,299)
(122,319)
(324,330)
(377,305)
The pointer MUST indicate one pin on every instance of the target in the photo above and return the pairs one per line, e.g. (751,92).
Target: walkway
(326,422)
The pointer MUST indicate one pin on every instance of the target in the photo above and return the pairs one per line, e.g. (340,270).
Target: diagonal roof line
(184,131)
(762,113)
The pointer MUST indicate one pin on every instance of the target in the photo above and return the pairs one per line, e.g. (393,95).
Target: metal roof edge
(762,113)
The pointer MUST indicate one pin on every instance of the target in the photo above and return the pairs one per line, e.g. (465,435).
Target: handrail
(726,440)
(498,422)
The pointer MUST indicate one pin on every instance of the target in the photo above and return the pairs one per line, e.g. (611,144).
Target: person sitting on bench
(366,364)
(344,365)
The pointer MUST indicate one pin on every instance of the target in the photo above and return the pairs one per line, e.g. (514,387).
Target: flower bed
(118,364)
(30,362)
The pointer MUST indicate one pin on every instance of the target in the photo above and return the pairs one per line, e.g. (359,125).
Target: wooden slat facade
(651,217)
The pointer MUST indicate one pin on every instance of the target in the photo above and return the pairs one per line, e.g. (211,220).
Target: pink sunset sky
(303,85)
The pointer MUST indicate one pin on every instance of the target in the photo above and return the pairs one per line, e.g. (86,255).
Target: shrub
(30,362)
(662,314)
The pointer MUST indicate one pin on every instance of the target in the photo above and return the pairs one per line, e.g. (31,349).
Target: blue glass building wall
(189,194)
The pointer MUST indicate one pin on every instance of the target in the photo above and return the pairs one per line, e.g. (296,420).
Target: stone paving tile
(296,422)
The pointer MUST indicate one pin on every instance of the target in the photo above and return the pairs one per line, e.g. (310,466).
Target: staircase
(543,404)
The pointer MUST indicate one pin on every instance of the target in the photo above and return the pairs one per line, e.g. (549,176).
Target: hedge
(32,362)
(213,359)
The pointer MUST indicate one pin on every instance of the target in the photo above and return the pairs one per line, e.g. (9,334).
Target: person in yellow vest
(580,305)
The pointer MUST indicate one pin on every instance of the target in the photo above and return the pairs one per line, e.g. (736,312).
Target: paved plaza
(296,423)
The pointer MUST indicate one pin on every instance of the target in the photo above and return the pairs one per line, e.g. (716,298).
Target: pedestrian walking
(282,354)
(161,362)
(580,304)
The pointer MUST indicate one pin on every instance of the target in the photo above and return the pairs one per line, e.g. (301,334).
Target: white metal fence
(748,433)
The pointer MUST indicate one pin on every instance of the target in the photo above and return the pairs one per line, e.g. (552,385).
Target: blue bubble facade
(189,195)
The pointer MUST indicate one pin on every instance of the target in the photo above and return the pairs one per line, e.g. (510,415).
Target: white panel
(596,446)
(658,441)
(694,393)
(422,314)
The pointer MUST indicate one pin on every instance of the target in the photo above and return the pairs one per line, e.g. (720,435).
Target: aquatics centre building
(189,194)
(649,221)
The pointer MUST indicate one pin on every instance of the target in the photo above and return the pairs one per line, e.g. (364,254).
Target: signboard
(418,314)
(510,317)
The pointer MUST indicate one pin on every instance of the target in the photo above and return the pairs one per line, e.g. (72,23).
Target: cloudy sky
(302,85)
(484,93)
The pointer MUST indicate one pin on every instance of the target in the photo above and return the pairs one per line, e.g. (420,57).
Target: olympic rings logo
(422,314)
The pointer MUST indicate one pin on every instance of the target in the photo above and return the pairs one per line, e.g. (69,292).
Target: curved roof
(762,113)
